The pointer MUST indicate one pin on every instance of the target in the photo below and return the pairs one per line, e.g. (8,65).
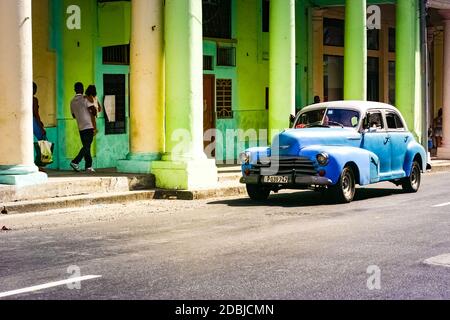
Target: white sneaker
(90,170)
(75,167)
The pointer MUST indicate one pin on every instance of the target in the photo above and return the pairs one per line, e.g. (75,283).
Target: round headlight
(323,158)
(244,157)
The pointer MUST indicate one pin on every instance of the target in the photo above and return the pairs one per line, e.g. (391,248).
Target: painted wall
(79,58)
(251,75)
(112,147)
(114,21)
(44,62)
(75,62)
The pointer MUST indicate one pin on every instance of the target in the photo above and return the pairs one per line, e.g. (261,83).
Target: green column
(405,77)
(282,63)
(184,165)
(418,101)
(355,52)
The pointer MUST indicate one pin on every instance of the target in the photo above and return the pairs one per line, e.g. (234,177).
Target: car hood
(290,142)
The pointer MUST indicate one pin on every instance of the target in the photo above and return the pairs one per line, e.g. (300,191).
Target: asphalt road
(296,246)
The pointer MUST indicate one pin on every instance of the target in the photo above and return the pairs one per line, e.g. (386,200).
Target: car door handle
(406,138)
(387,139)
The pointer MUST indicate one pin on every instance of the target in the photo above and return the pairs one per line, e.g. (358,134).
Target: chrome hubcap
(347,185)
(415,177)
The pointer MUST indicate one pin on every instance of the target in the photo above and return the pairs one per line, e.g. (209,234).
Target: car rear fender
(412,151)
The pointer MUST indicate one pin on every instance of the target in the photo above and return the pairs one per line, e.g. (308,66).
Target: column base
(138,163)
(185,175)
(21,176)
(443,153)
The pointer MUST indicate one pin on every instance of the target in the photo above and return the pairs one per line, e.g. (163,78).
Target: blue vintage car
(333,147)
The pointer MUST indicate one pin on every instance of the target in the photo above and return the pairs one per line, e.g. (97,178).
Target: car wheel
(257,192)
(412,183)
(344,190)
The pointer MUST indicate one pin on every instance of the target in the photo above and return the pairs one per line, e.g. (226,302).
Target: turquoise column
(184,165)
(282,64)
(355,51)
(405,77)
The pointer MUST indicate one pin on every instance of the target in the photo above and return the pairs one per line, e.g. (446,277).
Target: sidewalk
(66,189)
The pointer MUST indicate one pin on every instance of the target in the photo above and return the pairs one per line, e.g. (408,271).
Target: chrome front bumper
(303,180)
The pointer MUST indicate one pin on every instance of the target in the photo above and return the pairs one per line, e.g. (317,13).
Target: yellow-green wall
(44,62)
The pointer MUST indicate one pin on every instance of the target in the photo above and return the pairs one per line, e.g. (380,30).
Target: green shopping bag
(44,153)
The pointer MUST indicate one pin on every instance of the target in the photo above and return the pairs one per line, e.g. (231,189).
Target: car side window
(374,120)
(394,121)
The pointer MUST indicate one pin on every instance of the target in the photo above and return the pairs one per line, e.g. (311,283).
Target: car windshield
(328,117)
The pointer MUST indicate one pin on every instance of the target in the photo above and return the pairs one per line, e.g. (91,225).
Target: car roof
(363,106)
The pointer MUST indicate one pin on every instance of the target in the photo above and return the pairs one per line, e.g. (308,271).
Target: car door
(376,139)
(399,141)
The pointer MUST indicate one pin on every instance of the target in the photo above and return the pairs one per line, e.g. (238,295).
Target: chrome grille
(288,165)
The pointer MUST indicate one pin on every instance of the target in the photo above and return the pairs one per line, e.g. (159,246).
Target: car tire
(257,192)
(344,190)
(411,184)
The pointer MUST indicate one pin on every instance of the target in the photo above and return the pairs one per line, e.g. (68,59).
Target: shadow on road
(307,198)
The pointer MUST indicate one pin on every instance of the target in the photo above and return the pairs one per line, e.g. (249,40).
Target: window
(392,82)
(333,32)
(373,39)
(373,120)
(217,19)
(208,63)
(226,56)
(393,121)
(392,40)
(329,118)
(265,15)
(114,87)
(117,55)
(224,98)
(373,79)
(333,77)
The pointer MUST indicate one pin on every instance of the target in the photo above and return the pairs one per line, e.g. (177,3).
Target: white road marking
(46,286)
(443,260)
(442,205)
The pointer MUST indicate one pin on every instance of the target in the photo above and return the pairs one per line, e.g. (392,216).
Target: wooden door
(208,109)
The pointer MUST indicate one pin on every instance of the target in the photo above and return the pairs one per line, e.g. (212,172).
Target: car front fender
(366,162)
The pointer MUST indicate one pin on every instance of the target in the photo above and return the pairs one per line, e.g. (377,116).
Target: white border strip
(442,205)
(46,286)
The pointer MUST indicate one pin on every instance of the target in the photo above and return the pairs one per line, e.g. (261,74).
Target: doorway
(209,121)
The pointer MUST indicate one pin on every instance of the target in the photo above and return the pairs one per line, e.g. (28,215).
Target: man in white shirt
(85,116)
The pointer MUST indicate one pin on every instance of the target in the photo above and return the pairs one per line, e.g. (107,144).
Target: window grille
(224,98)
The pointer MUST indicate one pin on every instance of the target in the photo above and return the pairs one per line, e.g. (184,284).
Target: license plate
(276,179)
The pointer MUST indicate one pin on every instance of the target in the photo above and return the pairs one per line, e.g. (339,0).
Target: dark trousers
(87,137)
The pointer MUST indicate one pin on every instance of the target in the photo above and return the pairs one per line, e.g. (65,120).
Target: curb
(440,168)
(119,198)
(200,194)
(76,201)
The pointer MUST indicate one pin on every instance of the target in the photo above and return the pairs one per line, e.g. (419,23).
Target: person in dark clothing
(316,99)
(38,126)
(85,116)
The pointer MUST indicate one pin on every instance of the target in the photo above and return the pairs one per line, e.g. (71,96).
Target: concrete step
(76,201)
(38,205)
(63,186)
